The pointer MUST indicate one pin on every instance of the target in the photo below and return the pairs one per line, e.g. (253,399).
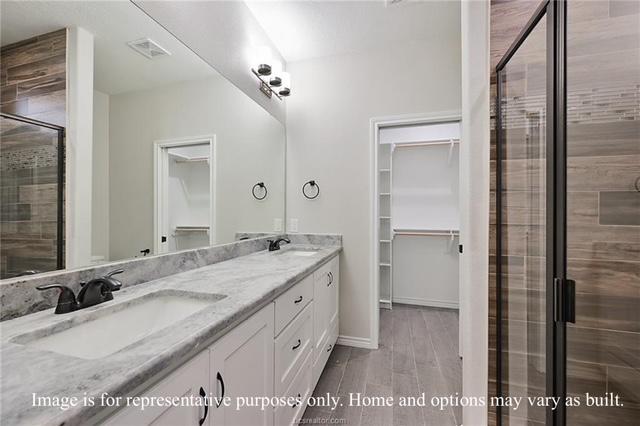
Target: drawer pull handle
(330,279)
(297,345)
(329,348)
(203,394)
(221,381)
(298,300)
(297,402)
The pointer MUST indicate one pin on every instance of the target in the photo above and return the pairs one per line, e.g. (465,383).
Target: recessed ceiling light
(148,48)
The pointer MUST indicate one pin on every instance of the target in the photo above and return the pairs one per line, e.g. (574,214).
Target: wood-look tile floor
(418,352)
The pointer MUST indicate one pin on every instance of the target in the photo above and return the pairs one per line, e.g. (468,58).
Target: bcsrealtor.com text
(327,401)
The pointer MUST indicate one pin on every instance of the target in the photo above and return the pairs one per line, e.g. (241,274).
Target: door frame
(558,295)
(160,170)
(377,123)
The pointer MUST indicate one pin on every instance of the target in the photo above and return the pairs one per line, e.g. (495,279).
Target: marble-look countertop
(248,282)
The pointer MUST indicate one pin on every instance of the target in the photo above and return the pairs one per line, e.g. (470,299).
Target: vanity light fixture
(273,80)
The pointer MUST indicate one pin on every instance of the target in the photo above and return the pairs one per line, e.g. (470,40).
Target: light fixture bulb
(285,86)
(263,60)
(276,74)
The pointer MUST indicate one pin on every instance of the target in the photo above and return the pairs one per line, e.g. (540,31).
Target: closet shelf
(385,241)
(192,229)
(384,170)
(385,217)
(426,143)
(385,194)
(385,265)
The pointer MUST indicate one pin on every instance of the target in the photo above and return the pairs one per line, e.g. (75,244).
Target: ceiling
(118,68)
(310,29)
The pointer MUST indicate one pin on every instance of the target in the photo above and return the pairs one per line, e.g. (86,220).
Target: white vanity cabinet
(242,367)
(279,351)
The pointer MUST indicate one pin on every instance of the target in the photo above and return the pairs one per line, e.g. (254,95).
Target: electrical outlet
(293,225)
(277,224)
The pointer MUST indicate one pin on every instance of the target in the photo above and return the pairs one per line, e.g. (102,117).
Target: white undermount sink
(115,327)
(302,252)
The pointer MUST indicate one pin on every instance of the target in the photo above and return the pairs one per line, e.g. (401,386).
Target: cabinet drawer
(300,388)
(292,347)
(322,355)
(293,301)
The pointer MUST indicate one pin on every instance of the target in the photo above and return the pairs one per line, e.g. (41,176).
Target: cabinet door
(242,367)
(320,312)
(333,292)
(192,379)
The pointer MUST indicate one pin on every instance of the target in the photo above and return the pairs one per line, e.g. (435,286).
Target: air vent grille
(148,48)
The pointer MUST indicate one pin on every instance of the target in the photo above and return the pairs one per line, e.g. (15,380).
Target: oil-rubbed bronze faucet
(94,292)
(275,244)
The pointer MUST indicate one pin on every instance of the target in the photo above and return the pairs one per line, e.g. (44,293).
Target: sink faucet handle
(114,272)
(67,299)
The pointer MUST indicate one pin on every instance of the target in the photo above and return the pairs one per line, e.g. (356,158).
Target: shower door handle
(564,300)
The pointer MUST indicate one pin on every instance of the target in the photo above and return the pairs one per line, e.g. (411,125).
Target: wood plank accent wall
(33,85)
(33,77)
(603,133)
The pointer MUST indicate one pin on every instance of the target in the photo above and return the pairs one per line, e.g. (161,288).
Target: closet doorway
(416,215)
(184,182)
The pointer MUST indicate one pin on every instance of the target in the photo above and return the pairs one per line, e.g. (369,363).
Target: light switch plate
(277,224)
(293,225)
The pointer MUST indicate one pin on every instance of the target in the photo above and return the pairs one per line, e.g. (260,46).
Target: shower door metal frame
(61,184)
(557,298)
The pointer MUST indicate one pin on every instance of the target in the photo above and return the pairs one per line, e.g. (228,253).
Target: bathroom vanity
(262,324)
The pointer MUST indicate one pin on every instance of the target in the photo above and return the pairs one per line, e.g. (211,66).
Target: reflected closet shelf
(192,229)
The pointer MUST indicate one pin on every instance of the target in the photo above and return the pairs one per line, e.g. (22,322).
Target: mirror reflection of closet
(185,195)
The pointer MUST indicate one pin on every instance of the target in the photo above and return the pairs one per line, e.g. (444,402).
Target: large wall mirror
(118,141)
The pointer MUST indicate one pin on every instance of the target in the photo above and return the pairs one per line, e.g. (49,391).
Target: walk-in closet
(418,214)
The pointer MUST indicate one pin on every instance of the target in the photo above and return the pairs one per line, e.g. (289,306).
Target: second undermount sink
(303,253)
(112,328)
(298,251)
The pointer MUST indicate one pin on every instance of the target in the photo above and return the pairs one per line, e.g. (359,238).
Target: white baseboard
(426,302)
(355,342)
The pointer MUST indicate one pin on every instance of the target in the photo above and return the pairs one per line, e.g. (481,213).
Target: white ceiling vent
(148,48)
(389,3)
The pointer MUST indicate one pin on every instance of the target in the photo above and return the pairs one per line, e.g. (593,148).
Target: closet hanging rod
(430,143)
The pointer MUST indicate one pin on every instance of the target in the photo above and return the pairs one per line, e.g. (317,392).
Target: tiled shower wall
(603,131)
(33,83)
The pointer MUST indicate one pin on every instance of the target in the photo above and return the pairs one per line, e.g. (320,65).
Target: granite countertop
(248,282)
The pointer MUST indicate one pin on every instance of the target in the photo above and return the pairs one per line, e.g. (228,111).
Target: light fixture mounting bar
(264,86)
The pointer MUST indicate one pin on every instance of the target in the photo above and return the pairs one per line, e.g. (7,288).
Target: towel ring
(259,185)
(637,184)
(311,183)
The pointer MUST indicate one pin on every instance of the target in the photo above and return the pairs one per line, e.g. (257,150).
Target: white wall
(78,147)
(100,196)
(328,121)
(223,33)
(250,148)
(475,226)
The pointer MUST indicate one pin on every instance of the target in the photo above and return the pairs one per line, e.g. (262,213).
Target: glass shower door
(521,206)
(522,233)
(31,182)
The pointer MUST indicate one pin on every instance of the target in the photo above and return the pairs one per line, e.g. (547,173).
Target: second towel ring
(311,183)
(259,185)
